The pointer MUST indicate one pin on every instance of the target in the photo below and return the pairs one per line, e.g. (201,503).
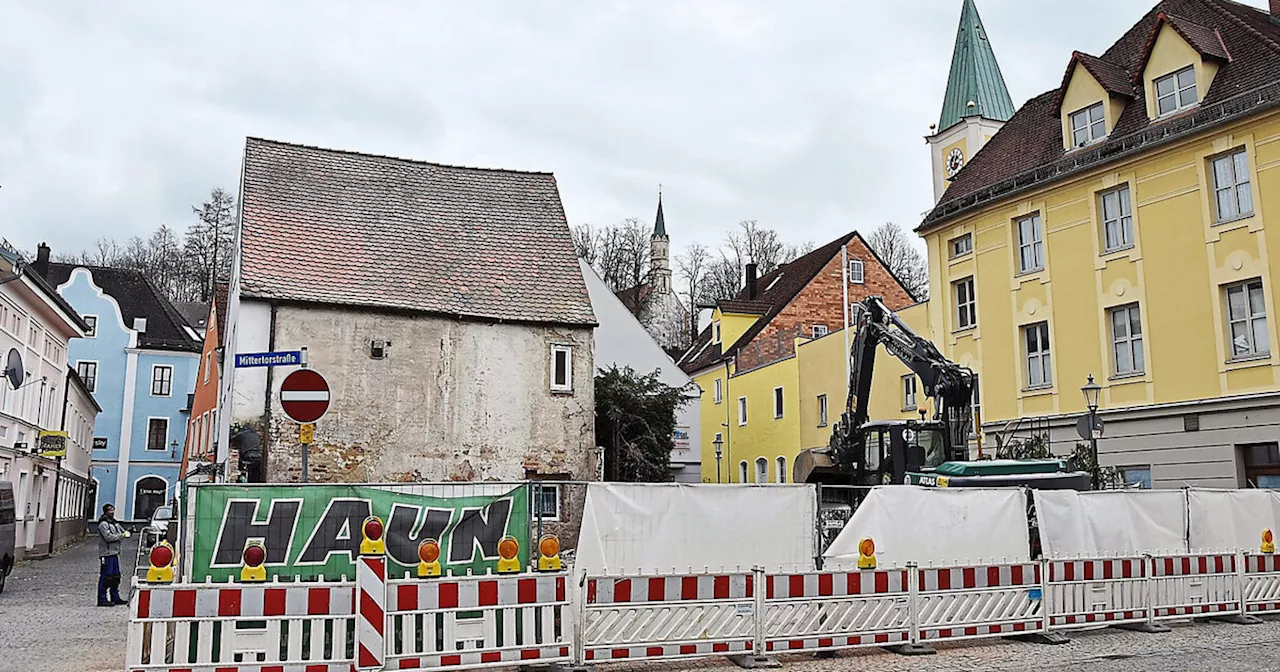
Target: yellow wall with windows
(1169,54)
(1175,270)
(731,325)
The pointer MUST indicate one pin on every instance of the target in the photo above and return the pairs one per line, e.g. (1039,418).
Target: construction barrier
(835,610)
(1261,584)
(1085,593)
(983,601)
(638,617)
(1195,585)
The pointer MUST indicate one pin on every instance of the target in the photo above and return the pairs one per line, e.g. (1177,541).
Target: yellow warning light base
(253,574)
(508,565)
(549,563)
(866,562)
(1268,542)
(429,568)
(160,574)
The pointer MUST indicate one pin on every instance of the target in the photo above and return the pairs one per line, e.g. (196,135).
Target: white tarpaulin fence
(1079,524)
(1232,518)
(648,528)
(936,525)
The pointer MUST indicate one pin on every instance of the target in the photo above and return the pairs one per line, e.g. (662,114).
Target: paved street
(49,618)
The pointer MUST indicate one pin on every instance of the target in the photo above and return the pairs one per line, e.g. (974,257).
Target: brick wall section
(821,302)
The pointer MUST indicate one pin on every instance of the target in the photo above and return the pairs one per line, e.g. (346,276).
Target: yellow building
(772,358)
(1116,227)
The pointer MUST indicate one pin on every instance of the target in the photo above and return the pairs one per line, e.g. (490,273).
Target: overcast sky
(116,117)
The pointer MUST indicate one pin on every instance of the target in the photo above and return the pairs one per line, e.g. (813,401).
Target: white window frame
(1126,341)
(744,472)
(820,330)
(1250,320)
(910,387)
(1176,93)
(822,410)
(533,496)
(1040,359)
(565,386)
(779,403)
(955,243)
(1116,210)
(780,463)
(92,321)
(1030,244)
(715,329)
(146,446)
(742,411)
(1231,186)
(208,365)
(762,471)
(93,388)
(857,272)
(718,391)
(1085,125)
(155,369)
(966,307)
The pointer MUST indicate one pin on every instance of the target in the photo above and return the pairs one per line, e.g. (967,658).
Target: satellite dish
(13,370)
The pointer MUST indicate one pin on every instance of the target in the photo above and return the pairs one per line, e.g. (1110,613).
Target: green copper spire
(660,226)
(975,76)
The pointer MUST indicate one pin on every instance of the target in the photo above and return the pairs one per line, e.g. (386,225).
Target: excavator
(929,452)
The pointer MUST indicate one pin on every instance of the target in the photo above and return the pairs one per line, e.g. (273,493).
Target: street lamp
(1091,390)
(719,444)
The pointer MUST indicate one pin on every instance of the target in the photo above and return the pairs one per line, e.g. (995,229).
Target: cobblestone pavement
(49,618)
(1219,647)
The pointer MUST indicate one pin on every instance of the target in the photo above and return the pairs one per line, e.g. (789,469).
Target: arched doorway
(148,493)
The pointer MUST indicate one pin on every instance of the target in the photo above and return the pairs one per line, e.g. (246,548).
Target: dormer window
(1088,125)
(1176,91)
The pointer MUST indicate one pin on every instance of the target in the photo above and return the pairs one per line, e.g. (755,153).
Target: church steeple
(659,253)
(975,87)
(976,103)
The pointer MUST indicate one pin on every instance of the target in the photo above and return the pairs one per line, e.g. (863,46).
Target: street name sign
(285,358)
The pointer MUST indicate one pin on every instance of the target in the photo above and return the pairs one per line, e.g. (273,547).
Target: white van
(8,530)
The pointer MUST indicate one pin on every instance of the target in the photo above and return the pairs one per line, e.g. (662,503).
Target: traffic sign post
(304,396)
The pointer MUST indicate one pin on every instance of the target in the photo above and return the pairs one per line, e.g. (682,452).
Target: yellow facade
(1175,272)
(817,369)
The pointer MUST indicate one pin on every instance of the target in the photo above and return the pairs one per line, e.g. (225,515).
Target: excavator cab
(892,449)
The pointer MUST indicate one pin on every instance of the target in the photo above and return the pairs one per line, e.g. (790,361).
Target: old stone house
(443,304)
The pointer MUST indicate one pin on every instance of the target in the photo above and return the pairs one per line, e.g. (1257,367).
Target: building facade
(758,408)
(36,328)
(1117,227)
(138,358)
(200,451)
(444,306)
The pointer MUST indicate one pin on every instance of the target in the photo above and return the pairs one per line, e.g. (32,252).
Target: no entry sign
(304,395)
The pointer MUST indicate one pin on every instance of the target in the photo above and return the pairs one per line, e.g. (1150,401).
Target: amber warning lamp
(429,558)
(1268,541)
(162,559)
(867,553)
(508,555)
(549,553)
(372,543)
(255,557)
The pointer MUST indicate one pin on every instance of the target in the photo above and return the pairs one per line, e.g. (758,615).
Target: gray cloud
(808,116)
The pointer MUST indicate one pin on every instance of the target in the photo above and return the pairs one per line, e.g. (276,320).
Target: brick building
(746,361)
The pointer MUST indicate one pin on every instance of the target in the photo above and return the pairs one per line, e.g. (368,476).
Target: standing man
(110,533)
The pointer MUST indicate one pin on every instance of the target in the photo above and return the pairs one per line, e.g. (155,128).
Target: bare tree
(619,254)
(747,244)
(208,243)
(899,252)
(692,266)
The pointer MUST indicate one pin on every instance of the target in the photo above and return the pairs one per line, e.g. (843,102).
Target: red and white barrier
(1083,593)
(371,622)
(1195,585)
(834,610)
(1261,584)
(982,601)
(667,616)
(479,621)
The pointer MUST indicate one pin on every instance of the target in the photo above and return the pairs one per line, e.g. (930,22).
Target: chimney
(42,258)
(1275,12)
(751,268)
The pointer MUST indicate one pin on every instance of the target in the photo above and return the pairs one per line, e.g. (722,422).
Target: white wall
(621,340)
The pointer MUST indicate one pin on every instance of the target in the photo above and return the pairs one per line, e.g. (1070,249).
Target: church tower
(975,105)
(660,254)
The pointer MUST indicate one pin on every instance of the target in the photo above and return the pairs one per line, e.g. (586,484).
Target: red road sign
(304,395)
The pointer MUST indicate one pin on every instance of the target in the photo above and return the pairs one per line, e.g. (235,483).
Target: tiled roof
(220,308)
(335,227)
(1113,78)
(1205,40)
(1027,152)
(196,313)
(137,297)
(776,289)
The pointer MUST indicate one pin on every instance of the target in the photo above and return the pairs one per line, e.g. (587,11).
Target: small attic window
(715,331)
(140,325)
(1176,91)
(1088,125)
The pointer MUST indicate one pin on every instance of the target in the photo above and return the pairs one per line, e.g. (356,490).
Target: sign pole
(306,434)
(304,462)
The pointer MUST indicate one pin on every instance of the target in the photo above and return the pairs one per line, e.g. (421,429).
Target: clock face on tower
(955,160)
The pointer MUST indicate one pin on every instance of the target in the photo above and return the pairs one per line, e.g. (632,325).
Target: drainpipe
(57,472)
(728,421)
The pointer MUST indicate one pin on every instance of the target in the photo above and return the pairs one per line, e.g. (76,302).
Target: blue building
(139,360)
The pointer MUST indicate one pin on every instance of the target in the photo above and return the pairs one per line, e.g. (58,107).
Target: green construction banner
(313,531)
